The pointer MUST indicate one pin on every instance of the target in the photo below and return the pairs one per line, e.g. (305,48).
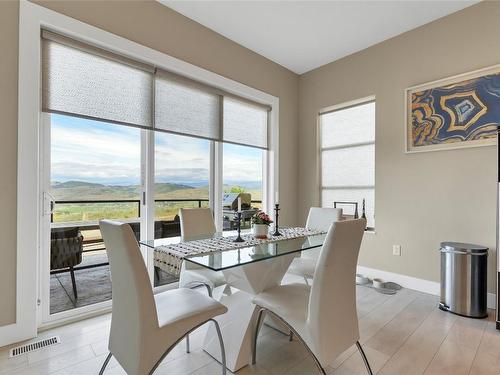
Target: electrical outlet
(396,250)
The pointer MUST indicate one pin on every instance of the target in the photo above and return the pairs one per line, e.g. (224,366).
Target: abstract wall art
(461,111)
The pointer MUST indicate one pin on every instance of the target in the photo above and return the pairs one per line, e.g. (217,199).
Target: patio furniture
(66,246)
(136,228)
(171,228)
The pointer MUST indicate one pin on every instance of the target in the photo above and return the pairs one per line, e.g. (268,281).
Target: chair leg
(209,290)
(305,279)
(290,338)
(106,361)
(157,273)
(256,334)
(72,272)
(196,284)
(222,350)
(365,360)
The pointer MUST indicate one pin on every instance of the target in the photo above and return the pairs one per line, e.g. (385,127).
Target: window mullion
(216,183)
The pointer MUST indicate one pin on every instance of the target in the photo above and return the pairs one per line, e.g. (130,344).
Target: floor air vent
(14,352)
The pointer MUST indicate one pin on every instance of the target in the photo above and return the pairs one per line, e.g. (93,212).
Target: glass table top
(221,260)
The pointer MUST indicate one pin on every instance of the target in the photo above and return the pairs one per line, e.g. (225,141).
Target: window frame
(33,18)
(320,149)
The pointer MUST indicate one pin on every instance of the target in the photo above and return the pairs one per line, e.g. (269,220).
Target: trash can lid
(464,247)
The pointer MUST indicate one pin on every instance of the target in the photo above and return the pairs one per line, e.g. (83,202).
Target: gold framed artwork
(455,112)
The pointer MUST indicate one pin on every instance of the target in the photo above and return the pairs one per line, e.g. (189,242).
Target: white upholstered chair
(321,219)
(323,316)
(197,223)
(144,326)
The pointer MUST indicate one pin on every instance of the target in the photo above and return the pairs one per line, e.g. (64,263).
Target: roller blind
(352,166)
(91,83)
(347,151)
(350,125)
(86,81)
(245,123)
(186,107)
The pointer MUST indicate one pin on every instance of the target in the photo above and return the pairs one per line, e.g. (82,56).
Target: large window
(347,152)
(132,142)
(95,173)
(182,175)
(242,174)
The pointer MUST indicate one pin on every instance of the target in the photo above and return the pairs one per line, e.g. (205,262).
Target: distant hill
(73,184)
(81,190)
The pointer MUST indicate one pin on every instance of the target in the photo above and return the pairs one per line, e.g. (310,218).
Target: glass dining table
(247,270)
(222,260)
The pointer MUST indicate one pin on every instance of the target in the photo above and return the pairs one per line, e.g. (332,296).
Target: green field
(82,191)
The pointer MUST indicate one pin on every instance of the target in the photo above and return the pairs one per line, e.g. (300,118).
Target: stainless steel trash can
(464,279)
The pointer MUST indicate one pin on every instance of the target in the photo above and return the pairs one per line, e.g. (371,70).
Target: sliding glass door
(91,171)
(181,180)
(128,141)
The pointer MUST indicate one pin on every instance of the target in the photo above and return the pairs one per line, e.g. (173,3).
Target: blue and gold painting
(460,114)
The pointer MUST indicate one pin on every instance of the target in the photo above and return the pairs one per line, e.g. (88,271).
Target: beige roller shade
(186,107)
(245,123)
(95,84)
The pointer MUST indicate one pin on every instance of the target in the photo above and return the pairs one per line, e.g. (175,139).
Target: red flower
(261,218)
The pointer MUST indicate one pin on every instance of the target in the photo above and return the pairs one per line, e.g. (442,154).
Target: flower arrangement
(261,218)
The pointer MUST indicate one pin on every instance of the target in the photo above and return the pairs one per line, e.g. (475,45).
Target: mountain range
(81,190)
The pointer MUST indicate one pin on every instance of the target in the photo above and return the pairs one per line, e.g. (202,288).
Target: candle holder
(238,221)
(276,215)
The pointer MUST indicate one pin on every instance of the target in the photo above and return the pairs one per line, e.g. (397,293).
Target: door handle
(51,203)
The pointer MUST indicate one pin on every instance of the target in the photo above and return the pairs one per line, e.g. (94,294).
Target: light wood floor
(402,334)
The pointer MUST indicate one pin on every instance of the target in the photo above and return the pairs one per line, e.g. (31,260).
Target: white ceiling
(303,35)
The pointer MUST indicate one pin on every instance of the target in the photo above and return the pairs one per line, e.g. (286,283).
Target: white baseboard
(13,333)
(421,285)
(8,334)
(492,301)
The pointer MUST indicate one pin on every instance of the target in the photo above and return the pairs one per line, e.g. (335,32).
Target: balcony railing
(95,243)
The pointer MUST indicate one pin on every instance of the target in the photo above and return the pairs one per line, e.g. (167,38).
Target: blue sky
(93,151)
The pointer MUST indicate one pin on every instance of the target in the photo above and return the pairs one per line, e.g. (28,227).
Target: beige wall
(153,25)
(421,199)
(9,14)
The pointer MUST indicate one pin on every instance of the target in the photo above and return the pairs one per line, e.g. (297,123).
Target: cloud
(242,163)
(101,152)
(182,175)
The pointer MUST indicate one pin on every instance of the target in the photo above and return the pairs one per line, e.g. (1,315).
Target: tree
(235,189)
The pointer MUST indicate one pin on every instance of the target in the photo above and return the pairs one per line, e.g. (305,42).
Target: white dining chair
(198,223)
(319,218)
(323,316)
(144,326)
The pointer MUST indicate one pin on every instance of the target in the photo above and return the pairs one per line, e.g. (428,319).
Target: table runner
(169,257)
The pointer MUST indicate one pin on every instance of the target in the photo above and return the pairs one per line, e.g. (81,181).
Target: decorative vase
(260,230)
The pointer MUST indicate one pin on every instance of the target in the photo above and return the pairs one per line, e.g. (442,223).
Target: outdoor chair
(66,247)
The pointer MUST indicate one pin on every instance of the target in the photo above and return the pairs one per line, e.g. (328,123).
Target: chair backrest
(332,318)
(320,218)
(134,313)
(196,223)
